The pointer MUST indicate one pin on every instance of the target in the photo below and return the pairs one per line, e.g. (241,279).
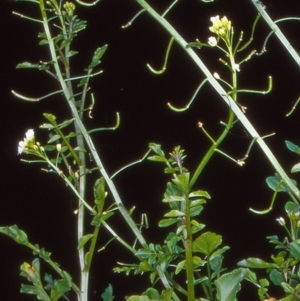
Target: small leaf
(296,168)
(256,263)
(51,118)
(180,266)
(83,240)
(97,56)
(292,147)
(108,294)
(199,193)
(54,138)
(182,181)
(71,53)
(174,213)
(207,243)
(167,222)
(157,159)
(65,123)
(157,149)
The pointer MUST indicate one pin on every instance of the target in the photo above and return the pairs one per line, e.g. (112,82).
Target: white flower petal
(29,134)
(21,147)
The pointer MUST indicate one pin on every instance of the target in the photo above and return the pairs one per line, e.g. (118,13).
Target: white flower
(216,75)
(212,41)
(21,147)
(29,135)
(215,19)
(27,143)
(281,221)
(236,67)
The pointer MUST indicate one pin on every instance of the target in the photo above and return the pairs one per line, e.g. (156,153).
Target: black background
(40,203)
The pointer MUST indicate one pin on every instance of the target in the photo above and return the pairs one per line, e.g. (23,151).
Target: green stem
(219,89)
(189,251)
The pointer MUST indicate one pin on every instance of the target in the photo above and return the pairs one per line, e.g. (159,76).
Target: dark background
(40,203)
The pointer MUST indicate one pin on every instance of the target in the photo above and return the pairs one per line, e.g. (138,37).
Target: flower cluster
(220,27)
(69,7)
(27,143)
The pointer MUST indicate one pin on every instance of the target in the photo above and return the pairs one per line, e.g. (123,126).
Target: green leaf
(256,263)
(207,243)
(228,285)
(47,126)
(296,168)
(182,182)
(292,147)
(199,193)
(180,266)
(15,233)
(295,249)
(157,159)
(152,294)
(219,252)
(274,183)
(51,118)
(157,149)
(99,189)
(287,288)
(194,211)
(291,207)
(167,222)
(276,277)
(65,124)
(174,213)
(60,287)
(108,294)
(83,240)
(71,53)
(97,56)
(54,138)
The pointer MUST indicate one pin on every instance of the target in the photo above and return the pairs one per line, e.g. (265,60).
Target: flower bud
(281,221)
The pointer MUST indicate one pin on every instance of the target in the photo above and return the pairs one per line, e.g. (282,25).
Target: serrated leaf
(83,240)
